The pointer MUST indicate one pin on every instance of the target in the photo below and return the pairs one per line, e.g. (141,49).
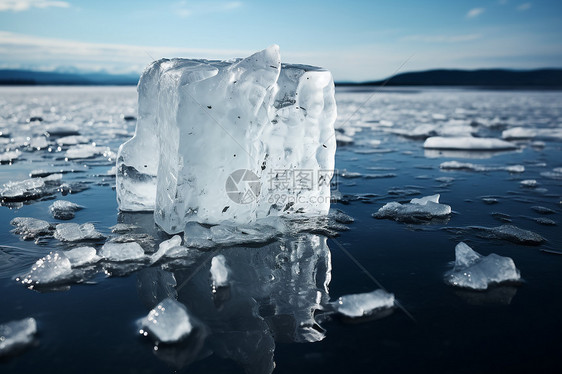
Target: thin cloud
(523,7)
(185,9)
(441,38)
(22,5)
(475,12)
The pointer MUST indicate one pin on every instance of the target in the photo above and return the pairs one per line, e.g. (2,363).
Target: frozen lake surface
(275,303)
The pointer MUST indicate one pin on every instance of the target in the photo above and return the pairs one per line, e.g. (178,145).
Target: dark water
(262,319)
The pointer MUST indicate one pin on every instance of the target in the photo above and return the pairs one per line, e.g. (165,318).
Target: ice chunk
(72,140)
(73,232)
(168,247)
(168,322)
(9,156)
(28,189)
(38,142)
(51,269)
(510,233)
(545,221)
(556,173)
(30,228)
(274,118)
(62,209)
(197,236)
(81,256)
(531,183)
(472,270)
(84,151)
(119,252)
(219,272)
(455,165)
(364,304)
(531,133)
(423,209)
(542,209)
(467,143)
(16,335)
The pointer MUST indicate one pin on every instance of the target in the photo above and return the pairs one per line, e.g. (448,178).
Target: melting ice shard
(217,140)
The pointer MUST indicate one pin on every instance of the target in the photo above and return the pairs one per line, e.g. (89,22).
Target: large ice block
(235,140)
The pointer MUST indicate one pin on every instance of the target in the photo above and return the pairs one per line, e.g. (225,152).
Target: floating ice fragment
(51,269)
(455,165)
(168,322)
(510,233)
(472,270)
(364,304)
(556,173)
(423,209)
(84,151)
(219,272)
(9,156)
(73,232)
(531,133)
(197,236)
(16,335)
(30,228)
(542,209)
(167,247)
(121,252)
(280,117)
(28,189)
(72,140)
(545,221)
(467,143)
(81,256)
(531,183)
(62,209)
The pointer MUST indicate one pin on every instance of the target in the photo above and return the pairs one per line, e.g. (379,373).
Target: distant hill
(480,78)
(31,78)
(442,77)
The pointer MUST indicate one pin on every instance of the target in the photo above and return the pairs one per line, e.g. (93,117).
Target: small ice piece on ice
(38,143)
(472,270)
(51,269)
(120,252)
(73,232)
(30,228)
(364,304)
(467,143)
(280,116)
(425,208)
(122,228)
(72,140)
(81,256)
(16,335)
(28,189)
(197,236)
(9,156)
(62,209)
(455,165)
(219,272)
(168,322)
(167,246)
(84,151)
(531,183)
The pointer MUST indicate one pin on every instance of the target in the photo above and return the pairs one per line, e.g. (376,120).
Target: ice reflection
(275,294)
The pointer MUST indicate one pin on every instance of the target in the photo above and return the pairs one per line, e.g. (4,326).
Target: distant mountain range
(479,78)
(442,77)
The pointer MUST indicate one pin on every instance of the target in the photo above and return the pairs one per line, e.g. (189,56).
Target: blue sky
(356,40)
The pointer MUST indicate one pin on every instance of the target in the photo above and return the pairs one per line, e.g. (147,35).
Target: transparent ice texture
(15,335)
(82,256)
(62,209)
(51,269)
(472,270)
(200,121)
(364,304)
(73,232)
(30,228)
(122,251)
(168,322)
(424,208)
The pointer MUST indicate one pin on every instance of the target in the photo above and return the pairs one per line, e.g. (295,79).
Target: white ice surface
(73,232)
(62,209)
(424,208)
(120,252)
(455,165)
(51,269)
(82,256)
(219,271)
